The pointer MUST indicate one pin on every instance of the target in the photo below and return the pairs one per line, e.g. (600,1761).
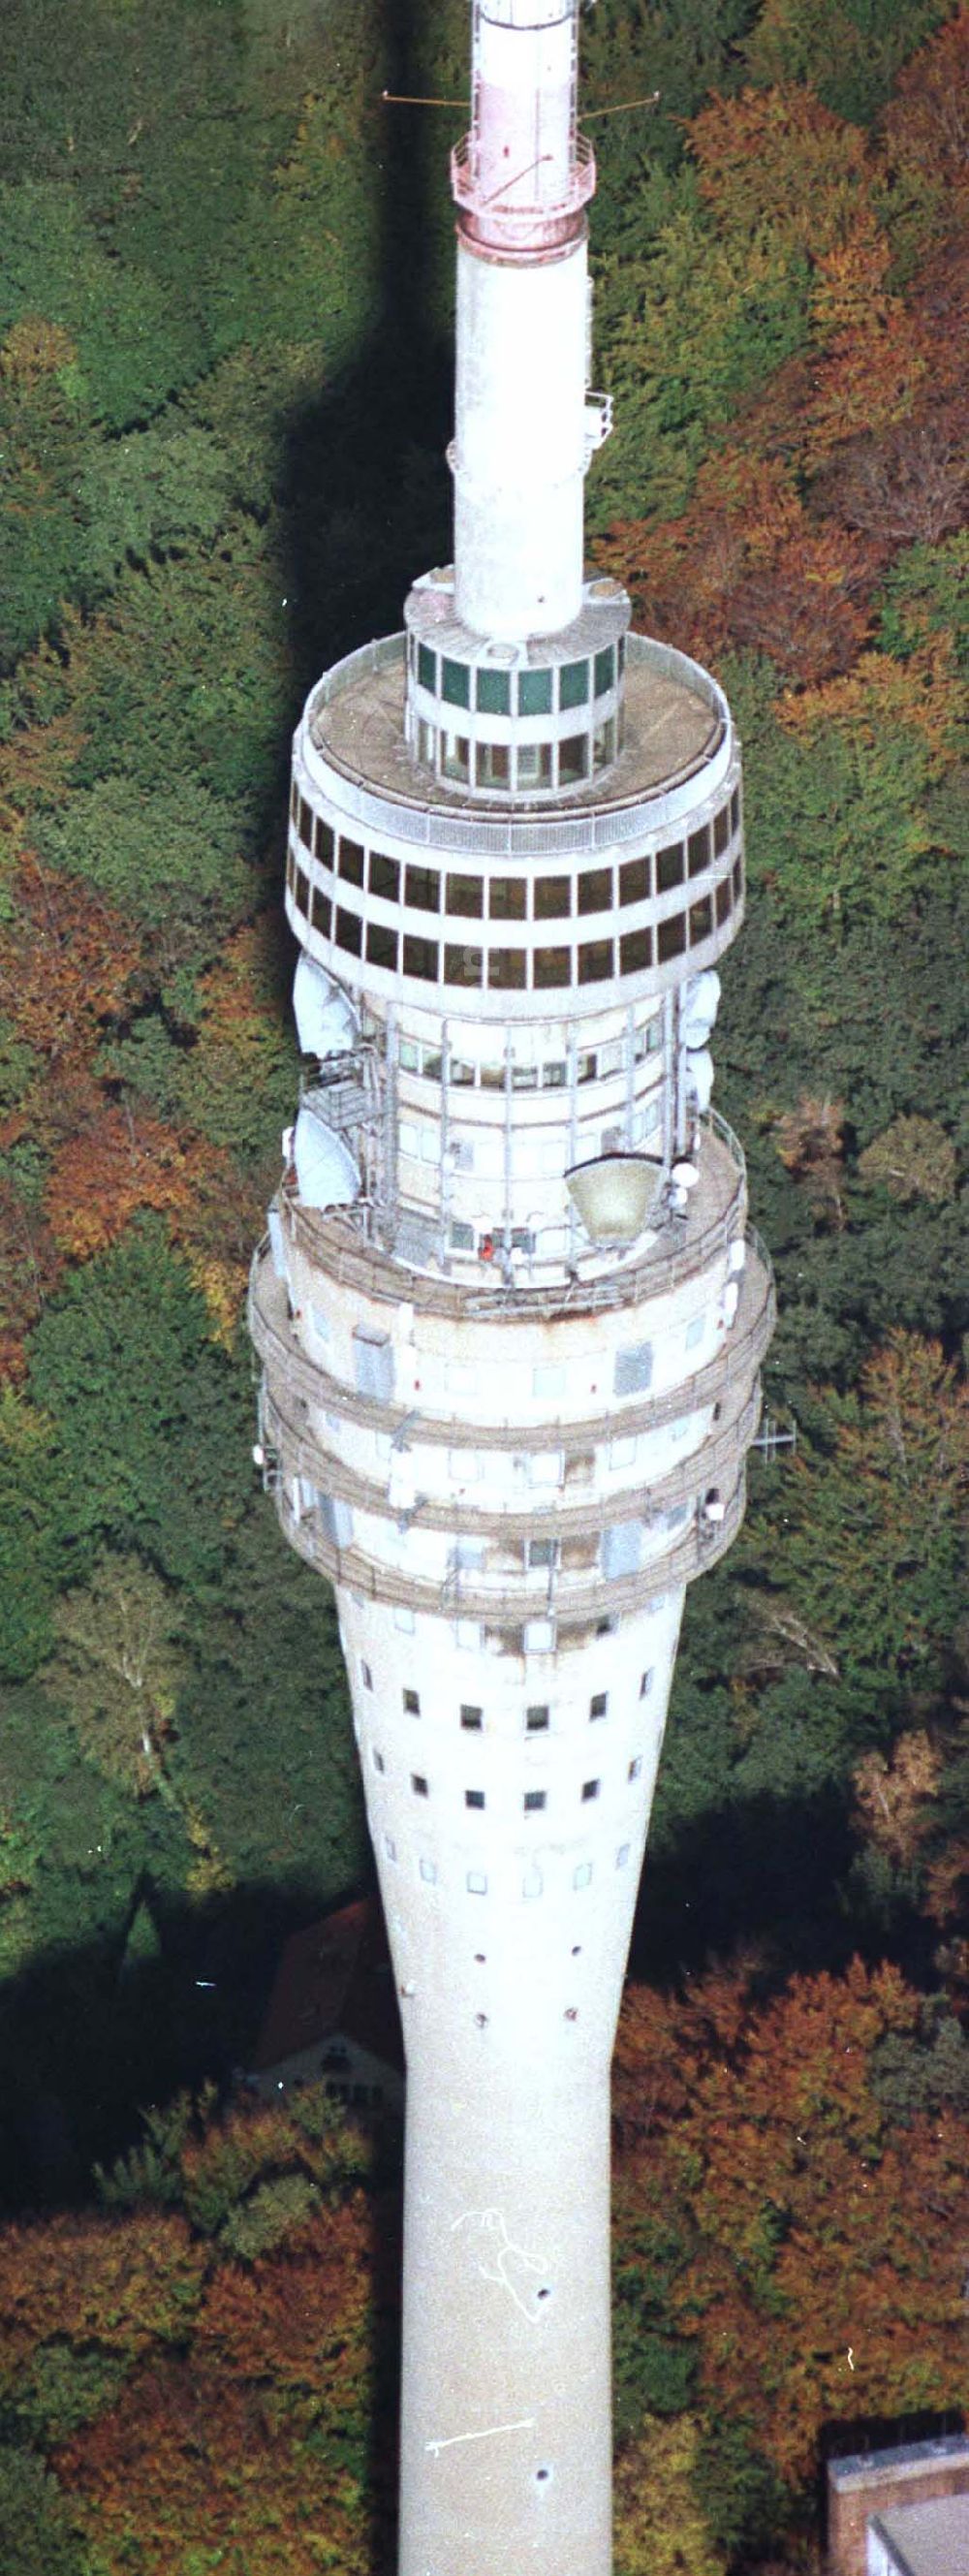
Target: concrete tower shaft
(511,1315)
(524,430)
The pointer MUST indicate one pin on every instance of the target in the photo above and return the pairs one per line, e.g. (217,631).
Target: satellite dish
(701,1002)
(699,1076)
(612,1195)
(326,1022)
(326,1173)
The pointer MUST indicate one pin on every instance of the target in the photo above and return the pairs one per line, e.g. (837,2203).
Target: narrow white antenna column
(511,1316)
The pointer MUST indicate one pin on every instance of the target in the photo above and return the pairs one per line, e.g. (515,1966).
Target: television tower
(510,1318)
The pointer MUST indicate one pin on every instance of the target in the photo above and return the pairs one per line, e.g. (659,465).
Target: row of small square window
(594,961)
(533,1800)
(591,1064)
(538,1718)
(523,692)
(518,768)
(553,898)
(476,1881)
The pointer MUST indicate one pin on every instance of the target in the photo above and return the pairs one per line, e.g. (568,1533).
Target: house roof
(335,1980)
(930,2539)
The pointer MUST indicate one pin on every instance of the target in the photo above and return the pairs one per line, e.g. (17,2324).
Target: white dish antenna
(326,1022)
(326,1173)
(699,1076)
(701,1002)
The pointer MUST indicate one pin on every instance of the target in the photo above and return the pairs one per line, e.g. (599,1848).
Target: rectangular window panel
(349,932)
(669,868)
(735,810)
(573,684)
(573,759)
(605,670)
(596,961)
(698,851)
(351,862)
(671,939)
(552,966)
(534,693)
(533,1801)
(472,1717)
(594,890)
(507,899)
(493,764)
(552,898)
(462,1074)
(465,897)
(542,1551)
(721,831)
(323,842)
(428,1872)
(590,1789)
(506,970)
(305,823)
(455,683)
(426,744)
(701,920)
(534,764)
(599,1704)
(462,1237)
(456,757)
(604,744)
(373,1364)
(634,881)
(412,1704)
(422,889)
(418,1784)
(294,803)
(738,879)
(462,966)
(476,1883)
(384,877)
(427,667)
(524,1077)
(554,1077)
(724,901)
(474,1797)
(382,947)
(420,958)
(632,1372)
(537,1720)
(635,952)
(301,891)
(493,692)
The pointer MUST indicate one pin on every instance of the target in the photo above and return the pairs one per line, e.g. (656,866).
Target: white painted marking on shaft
(522,2424)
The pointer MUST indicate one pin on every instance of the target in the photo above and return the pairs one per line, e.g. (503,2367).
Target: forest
(225,371)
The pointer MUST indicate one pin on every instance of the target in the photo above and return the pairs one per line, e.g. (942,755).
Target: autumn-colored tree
(68,960)
(810,1142)
(116,1669)
(913,1159)
(893,1798)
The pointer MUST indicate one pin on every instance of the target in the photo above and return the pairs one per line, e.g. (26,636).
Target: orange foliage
(923,694)
(88,2280)
(778,156)
(68,960)
(98,1179)
(893,1796)
(298,2321)
(926,127)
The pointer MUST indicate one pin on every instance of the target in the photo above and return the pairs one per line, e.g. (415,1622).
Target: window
(456,757)
(384,877)
(462,1236)
(548,1380)
(506,969)
(532,1882)
(474,1797)
(462,966)
(420,958)
(595,890)
(390,1847)
(455,683)
(536,1721)
(373,1363)
(604,744)
(669,868)
(721,831)
(698,851)
(422,888)
(573,759)
(634,881)
(294,802)
(429,1871)
(524,1077)
(701,920)
(670,939)
(595,961)
(493,692)
(412,1703)
(349,932)
(351,862)
(635,952)
(507,899)
(590,1789)
(471,1717)
(738,879)
(322,912)
(404,1618)
(735,810)
(534,764)
(493,764)
(694,1332)
(635,1767)
(418,1784)
(382,947)
(723,903)
(605,670)
(533,1800)
(632,1372)
(599,1704)
(305,823)
(378,1760)
(534,694)
(301,892)
(573,684)
(476,1883)
(323,841)
(582,1875)
(426,744)
(552,966)
(553,1077)
(543,1551)
(552,898)
(464,896)
(366,1676)
(427,667)
(646,1683)
(586,1067)
(622,1855)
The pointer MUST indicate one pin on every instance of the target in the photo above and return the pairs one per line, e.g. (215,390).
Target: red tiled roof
(334,1980)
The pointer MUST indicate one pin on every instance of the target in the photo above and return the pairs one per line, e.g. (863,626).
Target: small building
(921,2539)
(901,2512)
(332,2016)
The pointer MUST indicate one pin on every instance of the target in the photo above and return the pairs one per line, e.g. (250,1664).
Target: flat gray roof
(929,2539)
